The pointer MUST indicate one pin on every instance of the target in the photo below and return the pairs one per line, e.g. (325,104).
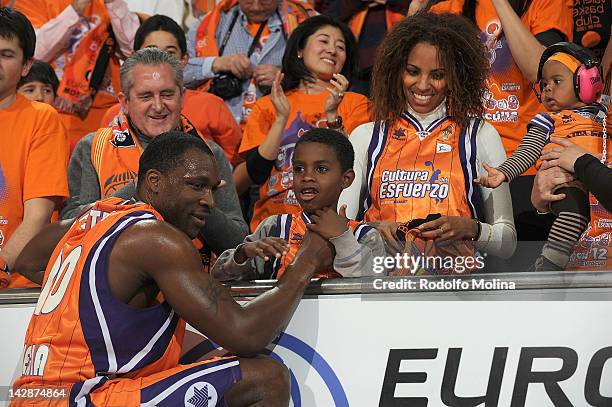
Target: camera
(226,86)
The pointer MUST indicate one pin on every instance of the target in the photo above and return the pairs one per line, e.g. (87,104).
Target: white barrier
(523,348)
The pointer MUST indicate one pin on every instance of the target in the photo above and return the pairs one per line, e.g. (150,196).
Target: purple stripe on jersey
(283,228)
(476,194)
(108,324)
(203,385)
(375,149)
(81,391)
(432,126)
(467,156)
(412,120)
(362,230)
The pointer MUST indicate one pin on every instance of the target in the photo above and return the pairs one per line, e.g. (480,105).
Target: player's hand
(266,248)
(336,93)
(494,178)
(265,74)
(328,223)
(564,156)
(316,250)
(388,231)
(448,228)
(279,99)
(238,64)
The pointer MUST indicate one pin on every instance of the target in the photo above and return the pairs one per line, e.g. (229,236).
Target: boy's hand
(328,223)
(493,180)
(264,248)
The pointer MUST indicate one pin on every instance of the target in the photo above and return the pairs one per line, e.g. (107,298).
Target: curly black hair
(334,139)
(461,54)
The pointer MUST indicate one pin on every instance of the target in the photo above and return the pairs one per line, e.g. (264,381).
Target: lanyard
(227,35)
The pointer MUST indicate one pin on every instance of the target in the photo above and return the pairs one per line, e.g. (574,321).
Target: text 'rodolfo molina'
(453,284)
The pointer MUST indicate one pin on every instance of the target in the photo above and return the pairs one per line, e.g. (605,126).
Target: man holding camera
(237,48)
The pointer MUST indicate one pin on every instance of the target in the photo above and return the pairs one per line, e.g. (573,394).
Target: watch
(336,124)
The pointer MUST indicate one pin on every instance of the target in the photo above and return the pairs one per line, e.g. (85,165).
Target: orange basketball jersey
(414,171)
(583,126)
(80,335)
(292,228)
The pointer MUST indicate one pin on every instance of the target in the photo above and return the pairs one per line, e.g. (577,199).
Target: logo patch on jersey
(122,139)
(117,181)
(399,134)
(201,394)
(297,238)
(443,148)
(447,132)
(567,118)
(423,135)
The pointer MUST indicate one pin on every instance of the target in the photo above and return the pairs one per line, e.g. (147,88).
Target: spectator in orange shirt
(33,146)
(319,61)
(207,112)
(84,40)
(40,84)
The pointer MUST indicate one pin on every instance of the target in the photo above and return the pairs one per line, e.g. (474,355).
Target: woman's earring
(299,56)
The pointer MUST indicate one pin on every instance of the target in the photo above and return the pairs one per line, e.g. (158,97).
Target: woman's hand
(279,100)
(265,74)
(564,156)
(448,228)
(336,92)
(416,6)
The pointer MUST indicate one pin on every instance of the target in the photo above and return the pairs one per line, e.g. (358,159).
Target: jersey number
(56,285)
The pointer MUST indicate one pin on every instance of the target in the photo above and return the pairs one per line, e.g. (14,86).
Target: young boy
(40,84)
(570,84)
(322,168)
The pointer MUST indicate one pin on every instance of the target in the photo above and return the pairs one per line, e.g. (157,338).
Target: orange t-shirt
(42,11)
(209,115)
(276,195)
(510,102)
(33,162)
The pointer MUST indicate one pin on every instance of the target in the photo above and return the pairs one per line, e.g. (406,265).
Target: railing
(367,285)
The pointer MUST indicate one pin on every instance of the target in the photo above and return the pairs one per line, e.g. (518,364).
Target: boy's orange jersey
(80,335)
(292,228)
(414,171)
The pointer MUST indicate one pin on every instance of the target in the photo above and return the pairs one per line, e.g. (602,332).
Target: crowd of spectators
(430,102)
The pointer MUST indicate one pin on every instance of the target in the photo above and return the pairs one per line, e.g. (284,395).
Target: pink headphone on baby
(587,78)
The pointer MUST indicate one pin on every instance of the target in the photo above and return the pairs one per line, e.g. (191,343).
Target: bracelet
(336,124)
(478,232)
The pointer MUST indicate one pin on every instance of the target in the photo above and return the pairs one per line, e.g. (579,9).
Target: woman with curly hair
(428,143)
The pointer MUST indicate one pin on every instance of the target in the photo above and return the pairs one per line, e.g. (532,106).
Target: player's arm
(166,255)
(36,213)
(34,257)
